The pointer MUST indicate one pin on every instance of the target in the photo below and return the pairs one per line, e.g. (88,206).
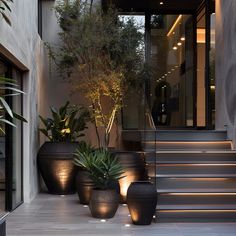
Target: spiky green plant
(8,87)
(4,5)
(66,124)
(104,169)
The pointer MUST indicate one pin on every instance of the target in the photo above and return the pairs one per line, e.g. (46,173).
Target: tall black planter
(84,186)
(104,203)
(141,201)
(134,168)
(55,163)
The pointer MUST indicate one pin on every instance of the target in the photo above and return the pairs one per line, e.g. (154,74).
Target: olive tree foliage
(103,53)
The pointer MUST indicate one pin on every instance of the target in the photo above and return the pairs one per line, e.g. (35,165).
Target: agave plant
(8,87)
(103,168)
(4,5)
(66,124)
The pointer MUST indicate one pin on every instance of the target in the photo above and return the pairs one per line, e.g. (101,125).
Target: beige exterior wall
(21,44)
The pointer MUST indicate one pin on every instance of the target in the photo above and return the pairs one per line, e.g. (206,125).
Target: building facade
(189,43)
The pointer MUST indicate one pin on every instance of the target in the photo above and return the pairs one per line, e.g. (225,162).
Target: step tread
(213,175)
(197,190)
(189,152)
(197,207)
(191,162)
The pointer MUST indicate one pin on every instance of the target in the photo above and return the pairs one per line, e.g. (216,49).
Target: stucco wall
(23,46)
(226,67)
(58,90)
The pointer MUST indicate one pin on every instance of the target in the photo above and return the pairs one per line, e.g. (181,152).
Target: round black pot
(84,186)
(104,203)
(133,165)
(55,163)
(141,201)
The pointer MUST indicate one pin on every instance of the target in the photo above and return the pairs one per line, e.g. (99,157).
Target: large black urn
(55,163)
(141,201)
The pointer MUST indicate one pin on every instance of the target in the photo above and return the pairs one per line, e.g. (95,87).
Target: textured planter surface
(55,162)
(84,186)
(104,203)
(134,167)
(141,201)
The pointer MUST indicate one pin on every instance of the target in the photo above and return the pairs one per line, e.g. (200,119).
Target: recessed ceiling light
(182,38)
(175,48)
(161,3)
(179,43)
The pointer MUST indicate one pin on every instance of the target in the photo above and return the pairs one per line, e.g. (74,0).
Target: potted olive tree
(101,55)
(55,157)
(105,171)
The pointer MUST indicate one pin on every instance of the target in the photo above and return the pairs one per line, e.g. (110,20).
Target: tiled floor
(54,215)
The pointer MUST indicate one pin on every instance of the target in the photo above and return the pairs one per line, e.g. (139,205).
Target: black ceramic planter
(141,201)
(134,168)
(104,203)
(84,186)
(55,163)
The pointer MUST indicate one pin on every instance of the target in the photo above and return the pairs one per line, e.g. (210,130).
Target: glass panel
(17,148)
(3,70)
(212,65)
(134,101)
(172,64)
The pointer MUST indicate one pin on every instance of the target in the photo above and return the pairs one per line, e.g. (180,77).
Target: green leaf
(6,107)
(19,117)
(7,122)
(6,18)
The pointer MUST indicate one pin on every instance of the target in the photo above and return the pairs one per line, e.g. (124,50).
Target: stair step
(192,170)
(197,207)
(162,145)
(196,190)
(196,183)
(191,157)
(196,175)
(176,135)
(195,216)
(196,198)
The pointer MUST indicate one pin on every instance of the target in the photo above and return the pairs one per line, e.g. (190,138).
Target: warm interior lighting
(179,43)
(212,87)
(174,25)
(182,38)
(174,48)
(201,36)
(161,3)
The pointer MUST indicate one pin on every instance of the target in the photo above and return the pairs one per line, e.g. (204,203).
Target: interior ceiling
(154,5)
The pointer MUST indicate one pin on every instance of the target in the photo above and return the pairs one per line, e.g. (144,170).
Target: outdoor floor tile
(54,215)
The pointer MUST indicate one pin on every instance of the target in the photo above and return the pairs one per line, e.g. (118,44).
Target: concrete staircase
(195,175)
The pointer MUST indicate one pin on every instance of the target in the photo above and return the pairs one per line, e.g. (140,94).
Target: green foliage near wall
(4,6)
(101,54)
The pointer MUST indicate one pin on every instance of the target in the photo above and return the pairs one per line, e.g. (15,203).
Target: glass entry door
(11,147)
(172,63)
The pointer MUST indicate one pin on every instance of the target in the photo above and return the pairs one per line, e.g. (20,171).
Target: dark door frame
(9,147)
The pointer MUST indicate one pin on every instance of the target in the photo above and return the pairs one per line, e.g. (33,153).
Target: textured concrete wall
(226,67)
(23,46)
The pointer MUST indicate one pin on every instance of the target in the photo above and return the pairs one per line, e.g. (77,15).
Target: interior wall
(226,67)
(21,44)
